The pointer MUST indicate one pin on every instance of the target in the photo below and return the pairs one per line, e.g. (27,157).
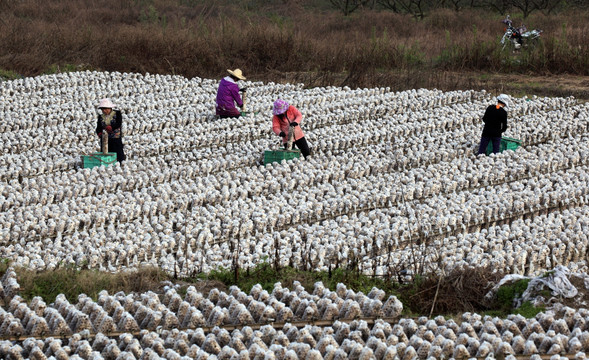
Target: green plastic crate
(246,113)
(97,159)
(271,156)
(506,144)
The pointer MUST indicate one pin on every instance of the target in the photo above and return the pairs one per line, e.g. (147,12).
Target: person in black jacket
(495,120)
(111,120)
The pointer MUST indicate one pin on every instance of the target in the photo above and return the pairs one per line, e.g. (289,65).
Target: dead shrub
(459,291)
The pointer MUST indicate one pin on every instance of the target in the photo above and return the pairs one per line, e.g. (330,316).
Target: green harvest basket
(271,156)
(97,159)
(246,113)
(506,144)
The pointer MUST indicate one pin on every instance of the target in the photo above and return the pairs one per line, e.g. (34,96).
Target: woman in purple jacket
(228,95)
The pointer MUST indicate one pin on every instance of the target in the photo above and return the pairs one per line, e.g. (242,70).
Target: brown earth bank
(513,84)
(519,85)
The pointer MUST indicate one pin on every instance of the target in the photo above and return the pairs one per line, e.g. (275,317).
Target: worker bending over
(111,121)
(286,116)
(228,95)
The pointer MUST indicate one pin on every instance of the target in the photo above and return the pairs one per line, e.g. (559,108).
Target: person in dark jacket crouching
(495,120)
(111,120)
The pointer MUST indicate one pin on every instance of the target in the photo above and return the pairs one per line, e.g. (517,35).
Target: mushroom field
(393,187)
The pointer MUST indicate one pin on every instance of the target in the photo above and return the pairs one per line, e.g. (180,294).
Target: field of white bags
(393,186)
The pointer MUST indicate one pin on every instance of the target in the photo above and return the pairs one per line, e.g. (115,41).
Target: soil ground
(562,85)
(555,85)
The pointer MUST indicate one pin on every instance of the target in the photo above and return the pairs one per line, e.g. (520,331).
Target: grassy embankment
(452,294)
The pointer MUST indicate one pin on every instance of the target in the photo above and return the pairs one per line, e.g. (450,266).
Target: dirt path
(512,84)
(519,85)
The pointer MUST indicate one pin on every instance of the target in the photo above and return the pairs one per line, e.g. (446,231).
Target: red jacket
(282,123)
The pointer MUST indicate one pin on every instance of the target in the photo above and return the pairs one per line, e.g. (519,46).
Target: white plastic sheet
(557,280)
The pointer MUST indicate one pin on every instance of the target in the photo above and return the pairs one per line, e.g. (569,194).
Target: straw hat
(237,73)
(106,104)
(280,107)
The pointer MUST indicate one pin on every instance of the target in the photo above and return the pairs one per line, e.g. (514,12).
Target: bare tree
(529,6)
(390,4)
(372,4)
(547,6)
(348,6)
(413,7)
(578,3)
(456,5)
(501,6)
(418,8)
(526,6)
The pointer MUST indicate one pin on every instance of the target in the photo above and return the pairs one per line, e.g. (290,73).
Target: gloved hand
(282,134)
(294,123)
(108,129)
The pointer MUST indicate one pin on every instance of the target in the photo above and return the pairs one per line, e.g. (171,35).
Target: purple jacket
(227,96)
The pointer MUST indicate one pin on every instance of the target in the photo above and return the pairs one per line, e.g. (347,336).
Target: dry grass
(71,282)
(460,291)
(195,38)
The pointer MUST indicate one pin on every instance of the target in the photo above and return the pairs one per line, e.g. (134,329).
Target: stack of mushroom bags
(393,175)
(281,324)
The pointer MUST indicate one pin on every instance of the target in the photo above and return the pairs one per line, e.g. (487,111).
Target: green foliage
(8,75)
(504,304)
(509,292)
(379,43)
(72,282)
(4,264)
(411,56)
(221,274)
(450,53)
(56,68)
(495,313)
(149,15)
(355,281)
(266,276)
(50,284)
(528,310)
(279,20)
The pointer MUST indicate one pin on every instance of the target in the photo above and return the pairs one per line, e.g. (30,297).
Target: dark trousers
(302,145)
(228,113)
(485,142)
(115,145)
(229,116)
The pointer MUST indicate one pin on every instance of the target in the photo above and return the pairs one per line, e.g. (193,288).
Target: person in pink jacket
(285,116)
(228,95)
